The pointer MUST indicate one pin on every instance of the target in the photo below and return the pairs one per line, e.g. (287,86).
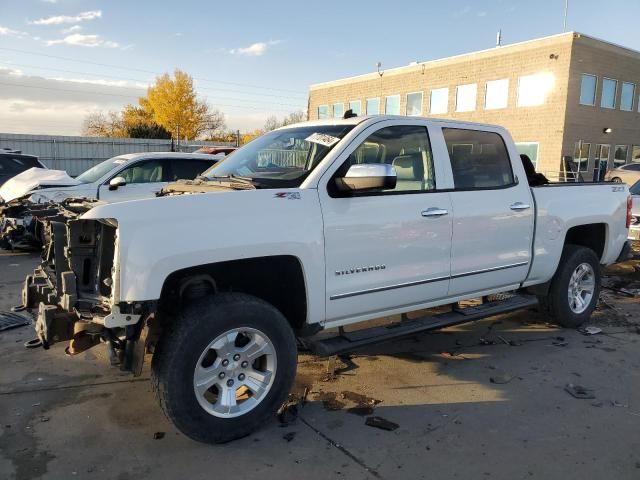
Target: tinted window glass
(13,165)
(588,89)
(633,168)
(478,159)
(406,148)
(189,169)
(144,172)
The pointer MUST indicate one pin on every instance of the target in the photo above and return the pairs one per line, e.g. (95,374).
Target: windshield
(97,172)
(635,188)
(13,165)
(282,158)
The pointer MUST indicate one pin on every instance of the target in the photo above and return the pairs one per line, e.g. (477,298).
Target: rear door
(386,250)
(493,213)
(144,179)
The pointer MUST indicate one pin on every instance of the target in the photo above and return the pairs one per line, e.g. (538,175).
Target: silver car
(628,174)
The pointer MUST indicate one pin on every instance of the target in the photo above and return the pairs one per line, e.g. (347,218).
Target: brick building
(564,95)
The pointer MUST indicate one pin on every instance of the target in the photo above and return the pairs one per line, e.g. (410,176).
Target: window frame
(359,102)
(475,97)
(333,109)
(615,93)
(446,110)
(377,99)
(386,99)
(515,180)
(633,96)
(327,113)
(595,90)
(333,175)
(406,103)
(486,91)
(537,144)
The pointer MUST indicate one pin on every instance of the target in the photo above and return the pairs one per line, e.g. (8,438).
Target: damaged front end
(75,290)
(22,221)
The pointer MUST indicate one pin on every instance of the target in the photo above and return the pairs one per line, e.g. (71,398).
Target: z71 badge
(288,195)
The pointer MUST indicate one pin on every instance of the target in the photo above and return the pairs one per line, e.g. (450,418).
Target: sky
(63,59)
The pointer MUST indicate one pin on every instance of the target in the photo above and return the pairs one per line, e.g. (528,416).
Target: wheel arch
(278,280)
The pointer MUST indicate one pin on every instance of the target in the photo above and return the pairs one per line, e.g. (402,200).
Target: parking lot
(485,400)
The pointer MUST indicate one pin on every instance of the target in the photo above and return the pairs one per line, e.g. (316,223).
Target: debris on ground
(10,320)
(158,435)
(597,403)
(363,405)
(288,412)
(501,378)
(591,330)
(615,403)
(289,436)
(381,423)
(578,391)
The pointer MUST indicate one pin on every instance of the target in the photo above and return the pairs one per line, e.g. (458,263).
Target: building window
(439,100)
(620,155)
(588,89)
(635,154)
(323,111)
(373,106)
(466,97)
(392,105)
(355,106)
(497,94)
(626,98)
(414,103)
(609,90)
(530,149)
(533,89)
(602,161)
(581,156)
(338,110)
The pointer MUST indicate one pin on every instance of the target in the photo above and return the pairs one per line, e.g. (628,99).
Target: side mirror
(116,182)
(365,177)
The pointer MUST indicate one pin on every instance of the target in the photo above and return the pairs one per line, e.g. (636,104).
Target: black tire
(616,180)
(180,347)
(556,302)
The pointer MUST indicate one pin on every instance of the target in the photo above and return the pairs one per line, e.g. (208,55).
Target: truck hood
(32,179)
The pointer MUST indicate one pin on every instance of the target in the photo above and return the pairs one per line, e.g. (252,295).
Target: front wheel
(575,288)
(616,180)
(224,367)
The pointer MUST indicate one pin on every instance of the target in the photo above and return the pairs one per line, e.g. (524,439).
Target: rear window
(13,165)
(188,169)
(478,159)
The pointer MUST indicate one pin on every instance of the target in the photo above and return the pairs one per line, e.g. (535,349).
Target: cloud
(80,40)
(72,29)
(8,32)
(255,49)
(62,19)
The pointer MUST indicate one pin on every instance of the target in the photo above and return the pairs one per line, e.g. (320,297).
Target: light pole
(566,13)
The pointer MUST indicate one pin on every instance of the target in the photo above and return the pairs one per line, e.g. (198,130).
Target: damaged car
(31,196)
(309,229)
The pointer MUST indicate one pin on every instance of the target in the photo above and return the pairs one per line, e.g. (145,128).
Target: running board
(349,341)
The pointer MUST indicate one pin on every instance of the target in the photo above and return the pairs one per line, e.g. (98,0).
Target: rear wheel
(225,367)
(616,180)
(575,288)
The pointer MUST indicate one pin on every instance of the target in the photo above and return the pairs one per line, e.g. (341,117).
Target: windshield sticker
(322,139)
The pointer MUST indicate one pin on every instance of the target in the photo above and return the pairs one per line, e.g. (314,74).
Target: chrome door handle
(434,212)
(520,206)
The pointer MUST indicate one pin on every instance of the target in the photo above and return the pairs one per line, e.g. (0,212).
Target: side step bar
(349,341)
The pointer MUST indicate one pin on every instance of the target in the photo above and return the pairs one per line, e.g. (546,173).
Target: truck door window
(144,172)
(185,169)
(478,159)
(406,148)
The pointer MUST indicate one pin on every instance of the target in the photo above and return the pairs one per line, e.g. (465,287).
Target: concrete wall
(77,154)
(587,123)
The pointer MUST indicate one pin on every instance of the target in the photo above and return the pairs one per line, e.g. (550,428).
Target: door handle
(434,212)
(520,206)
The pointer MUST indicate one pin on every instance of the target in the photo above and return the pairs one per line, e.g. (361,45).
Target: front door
(387,250)
(493,214)
(144,179)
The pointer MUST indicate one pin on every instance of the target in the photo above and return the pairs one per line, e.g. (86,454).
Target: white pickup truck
(310,227)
